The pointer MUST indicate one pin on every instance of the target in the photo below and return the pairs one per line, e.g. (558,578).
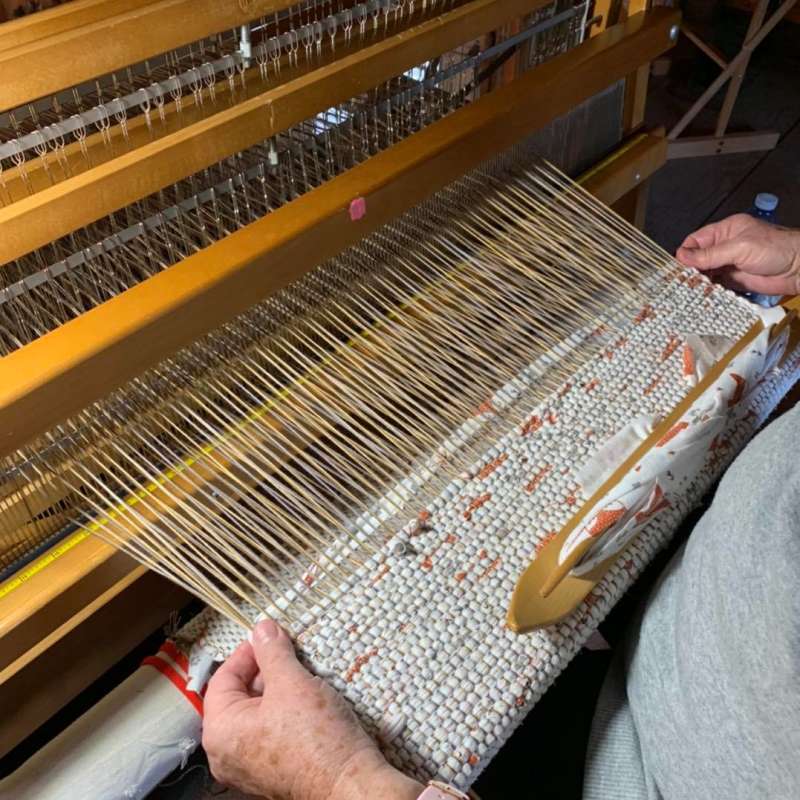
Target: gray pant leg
(711,707)
(614,765)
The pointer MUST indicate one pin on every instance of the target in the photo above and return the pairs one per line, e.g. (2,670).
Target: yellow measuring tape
(41,563)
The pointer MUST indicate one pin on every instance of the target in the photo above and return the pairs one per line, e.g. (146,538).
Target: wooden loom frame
(60,19)
(56,210)
(51,608)
(64,371)
(112,41)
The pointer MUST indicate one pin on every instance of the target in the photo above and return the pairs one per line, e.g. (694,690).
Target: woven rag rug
(417,640)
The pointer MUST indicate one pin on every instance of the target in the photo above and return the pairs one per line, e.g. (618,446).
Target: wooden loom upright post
(633,206)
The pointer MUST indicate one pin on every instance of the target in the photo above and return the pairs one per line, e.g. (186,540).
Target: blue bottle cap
(766,201)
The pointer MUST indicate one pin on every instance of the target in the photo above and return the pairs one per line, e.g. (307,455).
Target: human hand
(271,728)
(746,254)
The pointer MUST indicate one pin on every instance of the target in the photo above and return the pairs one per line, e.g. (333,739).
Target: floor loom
(295,314)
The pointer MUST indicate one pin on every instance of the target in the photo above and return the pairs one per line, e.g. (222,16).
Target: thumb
(731,252)
(230,683)
(273,650)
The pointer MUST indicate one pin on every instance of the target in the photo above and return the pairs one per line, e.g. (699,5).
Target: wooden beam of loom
(632,207)
(57,210)
(105,626)
(66,370)
(61,19)
(39,173)
(54,595)
(67,59)
(634,163)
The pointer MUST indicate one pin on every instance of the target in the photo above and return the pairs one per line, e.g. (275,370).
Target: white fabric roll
(123,746)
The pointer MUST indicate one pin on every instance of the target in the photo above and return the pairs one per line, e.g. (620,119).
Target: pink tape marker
(358,209)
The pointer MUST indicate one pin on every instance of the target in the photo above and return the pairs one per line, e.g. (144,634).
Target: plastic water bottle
(765,207)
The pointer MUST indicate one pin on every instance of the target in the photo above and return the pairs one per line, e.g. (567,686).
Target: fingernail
(266,631)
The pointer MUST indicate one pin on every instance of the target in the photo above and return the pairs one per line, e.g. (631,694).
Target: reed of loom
(194,329)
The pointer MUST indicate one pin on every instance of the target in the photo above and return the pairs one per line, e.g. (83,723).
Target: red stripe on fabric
(177,655)
(167,659)
(168,672)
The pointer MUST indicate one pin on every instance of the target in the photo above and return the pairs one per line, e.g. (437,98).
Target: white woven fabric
(417,641)
(657,480)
